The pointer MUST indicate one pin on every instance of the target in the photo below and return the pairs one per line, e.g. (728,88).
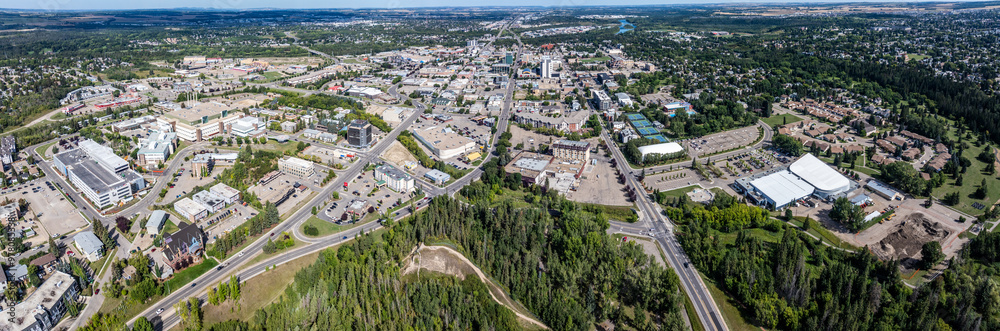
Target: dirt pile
(909,236)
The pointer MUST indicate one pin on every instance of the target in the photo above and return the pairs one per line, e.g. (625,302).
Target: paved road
(202,283)
(653,223)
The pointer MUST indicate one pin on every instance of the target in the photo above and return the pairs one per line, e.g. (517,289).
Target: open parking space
(724,141)
(599,184)
(56,215)
(226,220)
(363,187)
(184,183)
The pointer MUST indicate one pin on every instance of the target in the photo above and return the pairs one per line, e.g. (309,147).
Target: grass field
(677,193)
(169,227)
(971,180)
(595,59)
(324,228)
(185,276)
(819,231)
(258,292)
(41,149)
(781,119)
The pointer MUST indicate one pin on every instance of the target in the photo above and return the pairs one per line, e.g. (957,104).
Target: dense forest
(789,281)
(552,255)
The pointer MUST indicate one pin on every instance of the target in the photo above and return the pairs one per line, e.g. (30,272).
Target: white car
(158,311)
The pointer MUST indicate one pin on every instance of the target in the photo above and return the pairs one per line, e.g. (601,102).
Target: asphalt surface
(768,134)
(654,224)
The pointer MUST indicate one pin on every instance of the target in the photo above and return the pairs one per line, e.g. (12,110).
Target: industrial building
(395,179)
(45,307)
(444,142)
(102,176)
(359,134)
(805,177)
(296,167)
(572,150)
(157,148)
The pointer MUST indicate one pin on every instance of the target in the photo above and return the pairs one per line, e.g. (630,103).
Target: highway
(212,278)
(652,223)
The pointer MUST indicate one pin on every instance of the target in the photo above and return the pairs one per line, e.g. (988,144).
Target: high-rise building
(546,69)
(509,58)
(359,133)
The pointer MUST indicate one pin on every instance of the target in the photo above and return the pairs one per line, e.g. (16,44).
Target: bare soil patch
(906,239)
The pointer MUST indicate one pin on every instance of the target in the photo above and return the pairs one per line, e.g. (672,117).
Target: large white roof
(664,148)
(820,175)
(782,187)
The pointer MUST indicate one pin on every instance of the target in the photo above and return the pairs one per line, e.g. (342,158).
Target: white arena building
(805,177)
(664,148)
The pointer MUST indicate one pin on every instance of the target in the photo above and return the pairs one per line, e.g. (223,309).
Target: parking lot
(275,190)
(226,220)
(56,215)
(184,183)
(599,184)
(363,187)
(724,141)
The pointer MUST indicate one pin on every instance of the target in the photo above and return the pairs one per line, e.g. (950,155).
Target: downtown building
(102,176)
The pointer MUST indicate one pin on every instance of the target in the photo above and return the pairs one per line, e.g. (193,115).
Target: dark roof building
(359,133)
(184,246)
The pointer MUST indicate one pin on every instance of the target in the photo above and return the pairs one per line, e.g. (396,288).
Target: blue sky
(245,4)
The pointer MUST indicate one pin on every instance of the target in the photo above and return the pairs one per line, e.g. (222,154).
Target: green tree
(931,254)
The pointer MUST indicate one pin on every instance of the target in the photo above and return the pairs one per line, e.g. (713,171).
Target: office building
(296,167)
(546,68)
(229,194)
(102,176)
(437,176)
(359,134)
(247,127)
(444,142)
(45,307)
(199,122)
(211,201)
(395,179)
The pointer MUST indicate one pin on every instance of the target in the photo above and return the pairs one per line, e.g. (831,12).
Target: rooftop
(392,172)
(88,242)
(47,295)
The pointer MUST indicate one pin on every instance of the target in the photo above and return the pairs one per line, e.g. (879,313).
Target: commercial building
(395,179)
(359,134)
(211,201)
(132,123)
(363,92)
(102,176)
(191,210)
(8,151)
(572,150)
(320,135)
(805,177)
(157,148)
(156,221)
(601,100)
(437,176)
(289,126)
(546,67)
(45,307)
(531,167)
(296,167)
(229,194)
(444,142)
(89,245)
(624,100)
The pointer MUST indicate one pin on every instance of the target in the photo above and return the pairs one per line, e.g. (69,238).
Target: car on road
(158,311)
(345,237)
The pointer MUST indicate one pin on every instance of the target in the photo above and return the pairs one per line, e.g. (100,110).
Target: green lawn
(272,75)
(169,227)
(41,149)
(258,292)
(781,119)
(821,232)
(595,59)
(325,228)
(970,180)
(100,265)
(185,276)
(677,193)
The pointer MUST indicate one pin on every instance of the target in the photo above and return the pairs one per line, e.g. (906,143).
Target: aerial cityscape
(715,166)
